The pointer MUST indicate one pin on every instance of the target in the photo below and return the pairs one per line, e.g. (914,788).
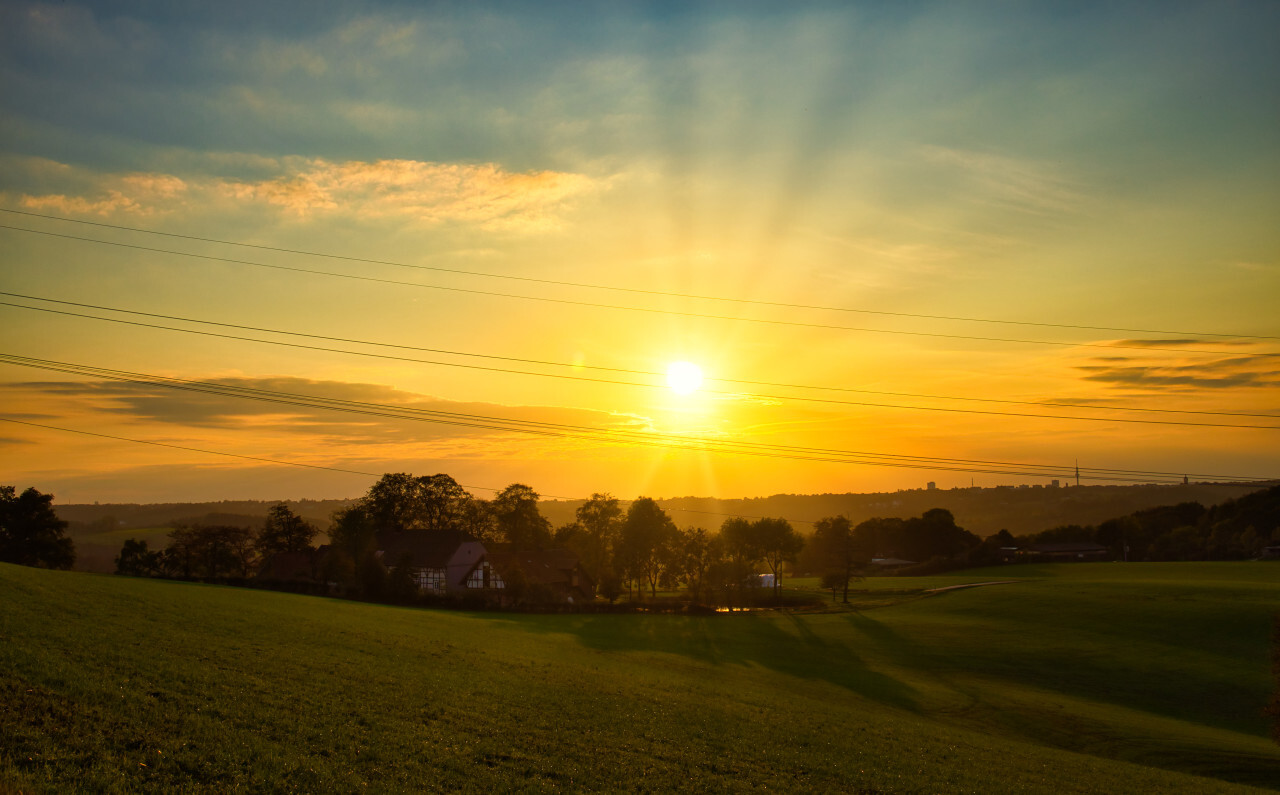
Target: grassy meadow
(1074,678)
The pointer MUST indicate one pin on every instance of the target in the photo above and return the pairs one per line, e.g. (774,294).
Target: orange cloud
(485,195)
(426,192)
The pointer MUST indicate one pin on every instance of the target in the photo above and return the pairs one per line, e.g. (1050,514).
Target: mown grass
(1076,678)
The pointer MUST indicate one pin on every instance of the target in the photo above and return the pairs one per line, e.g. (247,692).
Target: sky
(270,251)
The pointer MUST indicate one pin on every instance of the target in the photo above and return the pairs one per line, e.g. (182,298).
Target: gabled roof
(542,567)
(427,549)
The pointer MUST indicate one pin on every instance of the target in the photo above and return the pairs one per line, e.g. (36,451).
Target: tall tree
(516,510)
(779,544)
(136,560)
(740,542)
(210,551)
(284,531)
(834,550)
(443,503)
(697,556)
(393,502)
(601,520)
(31,534)
(647,542)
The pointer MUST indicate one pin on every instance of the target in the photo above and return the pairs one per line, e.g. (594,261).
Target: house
(1068,551)
(557,572)
(442,561)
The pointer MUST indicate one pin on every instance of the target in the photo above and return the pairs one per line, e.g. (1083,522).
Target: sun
(684,377)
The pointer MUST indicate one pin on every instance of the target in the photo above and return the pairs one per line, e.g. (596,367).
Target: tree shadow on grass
(1058,728)
(742,639)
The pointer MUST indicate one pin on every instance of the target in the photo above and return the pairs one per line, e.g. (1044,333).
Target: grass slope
(1084,678)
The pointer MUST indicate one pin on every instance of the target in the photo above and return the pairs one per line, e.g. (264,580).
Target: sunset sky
(1027,233)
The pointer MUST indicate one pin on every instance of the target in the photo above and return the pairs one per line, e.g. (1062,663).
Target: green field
(1075,678)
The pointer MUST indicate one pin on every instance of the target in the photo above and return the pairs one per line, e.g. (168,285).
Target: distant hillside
(983,511)
(99,530)
(234,512)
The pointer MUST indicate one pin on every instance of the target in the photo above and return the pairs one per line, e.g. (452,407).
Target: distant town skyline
(896,243)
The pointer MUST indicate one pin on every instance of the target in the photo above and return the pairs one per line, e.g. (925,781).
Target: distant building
(1054,484)
(891,563)
(1066,551)
(556,572)
(441,561)
(932,486)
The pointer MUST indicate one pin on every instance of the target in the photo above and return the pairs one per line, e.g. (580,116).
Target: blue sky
(1087,164)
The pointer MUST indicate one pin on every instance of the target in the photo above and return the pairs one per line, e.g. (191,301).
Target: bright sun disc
(684,377)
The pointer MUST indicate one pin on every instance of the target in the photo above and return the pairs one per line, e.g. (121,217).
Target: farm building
(1067,551)
(442,561)
(557,573)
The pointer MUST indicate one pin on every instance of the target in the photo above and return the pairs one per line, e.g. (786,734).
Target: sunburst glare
(684,377)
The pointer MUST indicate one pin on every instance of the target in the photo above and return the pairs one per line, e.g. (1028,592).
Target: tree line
(1238,529)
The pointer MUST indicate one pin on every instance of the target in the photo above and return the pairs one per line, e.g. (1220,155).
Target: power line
(589,379)
(632,290)
(646,310)
(631,371)
(562,430)
(346,471)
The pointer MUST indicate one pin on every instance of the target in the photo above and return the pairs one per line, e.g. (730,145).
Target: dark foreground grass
(1074,679)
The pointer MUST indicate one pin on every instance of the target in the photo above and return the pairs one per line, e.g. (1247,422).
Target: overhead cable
(1176,344)
(724,393)
(633,290)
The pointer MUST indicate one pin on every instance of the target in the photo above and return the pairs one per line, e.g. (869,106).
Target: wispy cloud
(1229,373)
(484,195)
(1185,342)
(1024,184)
(153,403)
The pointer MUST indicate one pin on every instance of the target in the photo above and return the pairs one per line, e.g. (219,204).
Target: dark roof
(543,567)
(427,549)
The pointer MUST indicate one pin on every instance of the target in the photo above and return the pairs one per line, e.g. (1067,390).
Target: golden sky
(930,235)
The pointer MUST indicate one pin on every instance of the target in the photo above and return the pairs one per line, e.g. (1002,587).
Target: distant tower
(1077,472)
(1184,480)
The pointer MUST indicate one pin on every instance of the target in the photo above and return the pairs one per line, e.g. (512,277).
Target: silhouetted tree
(935,534)
(31,534)
(696,557)
(601,520)
(136,560)
(646,545)
(739,541)
(833,546)
(209,551)
(778,543)
(476,517)
(284,531)
(400,501)
(516,510)
(401,585)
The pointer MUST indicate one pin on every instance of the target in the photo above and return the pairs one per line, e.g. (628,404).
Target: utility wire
(630,371)
(633,290)
(346,471)
(828,401)
(646,310)
(695,443)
